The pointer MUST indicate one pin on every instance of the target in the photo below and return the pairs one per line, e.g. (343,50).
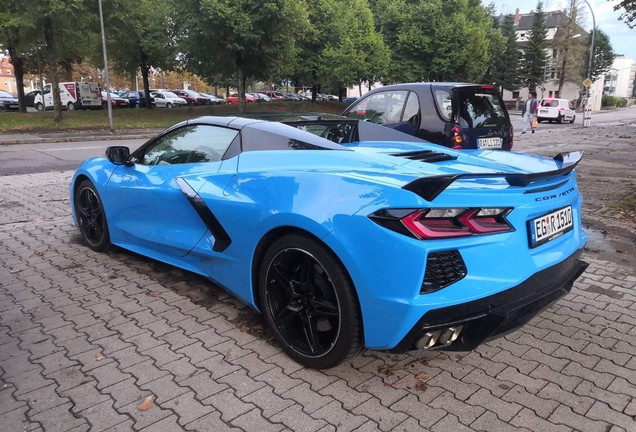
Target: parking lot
(87,338)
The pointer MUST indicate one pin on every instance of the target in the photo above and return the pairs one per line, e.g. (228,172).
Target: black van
(456,115)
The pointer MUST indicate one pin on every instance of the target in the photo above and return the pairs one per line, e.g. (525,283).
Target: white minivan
(74,95)
(558,110)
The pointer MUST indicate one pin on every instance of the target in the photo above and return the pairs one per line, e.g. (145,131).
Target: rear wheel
(70,106)
(573,118)
(309,302)
(137,105)
(91,217)
(169,105)
(560,119)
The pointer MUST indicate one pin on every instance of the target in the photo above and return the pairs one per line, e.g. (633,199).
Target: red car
(234,99)
(116,101)
(273,94)
(191,97)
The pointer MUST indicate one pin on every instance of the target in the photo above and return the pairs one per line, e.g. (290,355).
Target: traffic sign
(587,82)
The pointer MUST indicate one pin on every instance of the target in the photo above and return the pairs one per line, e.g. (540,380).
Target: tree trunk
(360,87)
(339,93)
(18,68)
(241,90)
(563,64)
(370,84)
(133,81)
(52,59)
(144,75)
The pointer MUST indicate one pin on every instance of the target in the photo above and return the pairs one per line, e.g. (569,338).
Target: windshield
(170,95)
(4,94)
(481,109)
(550,103)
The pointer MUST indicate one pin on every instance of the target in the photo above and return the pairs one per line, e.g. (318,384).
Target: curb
(75,139)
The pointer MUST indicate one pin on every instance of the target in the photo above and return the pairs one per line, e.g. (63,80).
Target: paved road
(34,158)
(603,117)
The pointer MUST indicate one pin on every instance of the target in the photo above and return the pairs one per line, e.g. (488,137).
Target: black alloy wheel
(309,302)
(91,218)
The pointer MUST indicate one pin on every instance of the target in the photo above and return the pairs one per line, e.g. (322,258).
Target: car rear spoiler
(429,188)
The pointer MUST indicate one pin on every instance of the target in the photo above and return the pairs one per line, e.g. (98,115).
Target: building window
(550,94)
(515,95)
(552,74)
(554,53)
(522,35)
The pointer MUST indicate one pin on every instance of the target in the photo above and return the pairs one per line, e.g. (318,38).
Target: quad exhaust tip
(439,337)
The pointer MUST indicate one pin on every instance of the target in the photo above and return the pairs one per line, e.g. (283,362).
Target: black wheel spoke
(310,334)
(307,274)
(285,316)
(322,308)
(283,281)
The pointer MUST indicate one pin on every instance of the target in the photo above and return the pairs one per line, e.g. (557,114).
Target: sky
(621,36)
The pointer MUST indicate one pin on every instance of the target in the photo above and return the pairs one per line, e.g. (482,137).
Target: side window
(190,144)
(382,107)
(412,107)
(444,103)
(47,89)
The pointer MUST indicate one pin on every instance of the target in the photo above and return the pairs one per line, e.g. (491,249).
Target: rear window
(550,103)
(481,109)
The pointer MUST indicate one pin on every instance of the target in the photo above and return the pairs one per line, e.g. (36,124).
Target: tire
(573,119)
(70,106)
(539,119)
(337,336)
(229,103)
(137,105)
(560,119)
(169,105)
(39,106)
(91,217)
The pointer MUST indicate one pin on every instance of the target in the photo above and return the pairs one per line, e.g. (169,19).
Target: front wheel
(137,105)
(573,119)
(91,217)
(309,302)
(39,106)
(169,105)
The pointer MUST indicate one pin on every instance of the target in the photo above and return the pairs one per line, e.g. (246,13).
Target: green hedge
(609,101)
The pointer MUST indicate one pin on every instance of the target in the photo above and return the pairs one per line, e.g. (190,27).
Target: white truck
(74,95)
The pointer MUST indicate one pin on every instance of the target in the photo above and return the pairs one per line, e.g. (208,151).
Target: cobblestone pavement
(85,338)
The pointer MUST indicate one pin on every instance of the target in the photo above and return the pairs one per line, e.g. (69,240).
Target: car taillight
(457,138)
(430,224)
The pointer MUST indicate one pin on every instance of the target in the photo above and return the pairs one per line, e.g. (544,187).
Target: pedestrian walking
(529,113)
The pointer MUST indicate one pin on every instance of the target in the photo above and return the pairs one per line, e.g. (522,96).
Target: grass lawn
(130,118)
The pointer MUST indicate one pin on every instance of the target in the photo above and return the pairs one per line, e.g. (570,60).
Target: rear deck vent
(429,156)
(443,269)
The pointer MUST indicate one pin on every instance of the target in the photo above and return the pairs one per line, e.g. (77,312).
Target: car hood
(8,99)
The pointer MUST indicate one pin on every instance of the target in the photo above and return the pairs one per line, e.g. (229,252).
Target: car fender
(98,170)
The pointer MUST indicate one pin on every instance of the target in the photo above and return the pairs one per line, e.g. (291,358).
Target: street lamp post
(589,64)
(108,101)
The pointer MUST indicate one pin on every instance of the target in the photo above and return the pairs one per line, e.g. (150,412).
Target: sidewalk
(54,137)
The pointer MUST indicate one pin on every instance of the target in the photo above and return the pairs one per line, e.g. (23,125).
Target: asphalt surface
(36,158)
(44,157)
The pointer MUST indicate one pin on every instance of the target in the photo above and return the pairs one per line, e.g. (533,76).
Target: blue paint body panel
(330,194)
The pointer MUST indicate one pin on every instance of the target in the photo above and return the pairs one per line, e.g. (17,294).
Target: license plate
(550,226)
(489,143)
(544,111)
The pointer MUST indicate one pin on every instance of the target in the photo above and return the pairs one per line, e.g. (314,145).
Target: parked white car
(166,99)
(74,95)
(558,110)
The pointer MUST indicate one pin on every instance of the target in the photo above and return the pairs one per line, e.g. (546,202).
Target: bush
(608,100)
(622,102)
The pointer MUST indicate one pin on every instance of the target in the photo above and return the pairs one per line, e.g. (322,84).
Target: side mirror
(118,154)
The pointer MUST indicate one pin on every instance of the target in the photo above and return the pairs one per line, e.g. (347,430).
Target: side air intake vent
(443,269)
(429,156)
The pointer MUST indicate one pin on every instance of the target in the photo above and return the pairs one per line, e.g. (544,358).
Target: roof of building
(552,19)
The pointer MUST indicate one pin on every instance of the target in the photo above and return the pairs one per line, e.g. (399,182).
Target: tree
(570,46)
(534,59)
(604,54)
(628,14)
(140,36)
(17,29)
(504,72)
(246,36)
(455,41)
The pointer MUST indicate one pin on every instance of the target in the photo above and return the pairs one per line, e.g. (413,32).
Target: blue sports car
(343,233)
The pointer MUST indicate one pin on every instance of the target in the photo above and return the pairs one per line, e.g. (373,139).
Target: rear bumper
(499,314)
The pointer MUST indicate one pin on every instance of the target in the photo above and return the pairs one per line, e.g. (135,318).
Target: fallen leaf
(126,313)
(13,271)
(504,386)
(146,404)
(177,403)
(385,370)
(39,253)
(154,293)
(99,357)
(421,376)
(420,386)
